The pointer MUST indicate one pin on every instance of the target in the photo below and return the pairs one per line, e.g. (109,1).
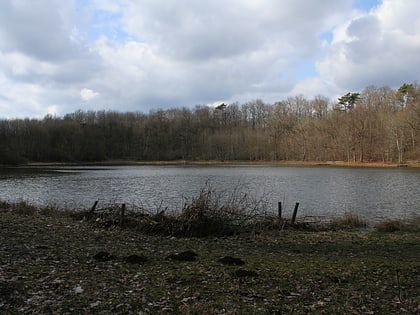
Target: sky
(57,56)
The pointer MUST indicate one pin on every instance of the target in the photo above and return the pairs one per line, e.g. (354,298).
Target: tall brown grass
(347,221)
(390,226)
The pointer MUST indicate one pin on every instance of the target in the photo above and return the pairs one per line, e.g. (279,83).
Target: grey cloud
(365,27)
(230,48)
(367,42)
(225,29)
(194,30)
(63,73)
(378,52)
(37,29)
(39,48)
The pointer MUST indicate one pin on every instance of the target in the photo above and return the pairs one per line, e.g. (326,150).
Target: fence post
(279,210)
(94,206)
(295,212)
(122,215)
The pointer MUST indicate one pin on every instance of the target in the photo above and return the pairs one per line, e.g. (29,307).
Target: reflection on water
(372,194)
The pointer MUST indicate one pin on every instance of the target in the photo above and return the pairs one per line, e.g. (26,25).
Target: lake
(373,194)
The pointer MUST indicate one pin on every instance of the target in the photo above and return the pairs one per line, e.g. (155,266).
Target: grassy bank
(51,262)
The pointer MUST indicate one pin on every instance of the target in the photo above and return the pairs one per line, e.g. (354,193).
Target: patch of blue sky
(306,69)
(327,36)
(108,24)
(366,5)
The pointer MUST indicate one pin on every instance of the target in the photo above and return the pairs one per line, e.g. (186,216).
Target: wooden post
(295,212)
(94,206)
(122,215)
(279,210)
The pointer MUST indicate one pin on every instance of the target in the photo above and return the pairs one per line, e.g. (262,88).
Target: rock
(183,256)
(135,259)
(104,256)
(229,260)
(78,289)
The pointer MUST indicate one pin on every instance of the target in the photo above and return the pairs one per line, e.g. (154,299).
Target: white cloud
(52,110)
(88,94)
(22,67)
(379,48)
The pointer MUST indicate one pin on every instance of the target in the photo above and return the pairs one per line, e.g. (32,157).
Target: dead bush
(214,213)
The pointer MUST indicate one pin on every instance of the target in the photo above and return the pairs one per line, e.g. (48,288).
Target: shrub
(210,213)
(215,214)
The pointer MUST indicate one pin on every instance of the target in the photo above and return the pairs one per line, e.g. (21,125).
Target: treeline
(378,124)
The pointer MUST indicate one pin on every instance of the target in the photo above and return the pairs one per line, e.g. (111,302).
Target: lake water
(371,193)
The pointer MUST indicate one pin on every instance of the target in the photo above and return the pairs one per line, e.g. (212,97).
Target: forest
(379,124)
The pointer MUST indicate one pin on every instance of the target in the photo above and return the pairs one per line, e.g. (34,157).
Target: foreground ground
(55,264)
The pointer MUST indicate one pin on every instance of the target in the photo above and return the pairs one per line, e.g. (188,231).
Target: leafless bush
(217,213)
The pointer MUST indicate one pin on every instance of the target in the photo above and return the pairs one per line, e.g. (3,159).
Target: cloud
(379,48)
(246,49)
(140,55)
(38,29)
(223,29)
(88,94)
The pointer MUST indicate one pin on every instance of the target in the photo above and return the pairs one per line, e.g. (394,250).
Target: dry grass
(28,209)
(399,226)
(347,221)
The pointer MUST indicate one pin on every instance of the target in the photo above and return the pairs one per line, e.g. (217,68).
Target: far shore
(406,164)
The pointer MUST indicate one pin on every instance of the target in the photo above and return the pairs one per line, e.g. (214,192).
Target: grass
(347,221)
(399,226)
(48,265)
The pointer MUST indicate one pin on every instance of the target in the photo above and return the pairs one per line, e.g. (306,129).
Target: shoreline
(407,164)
